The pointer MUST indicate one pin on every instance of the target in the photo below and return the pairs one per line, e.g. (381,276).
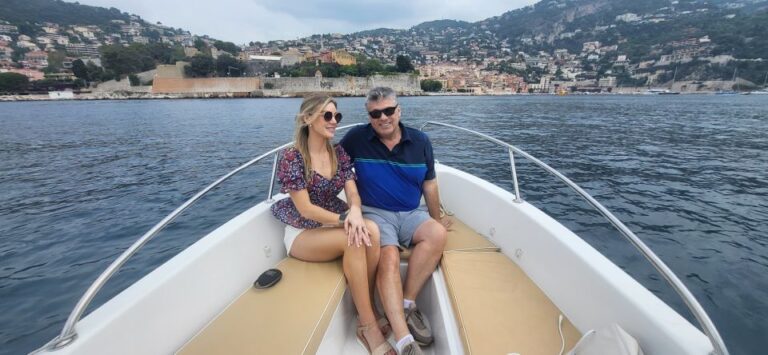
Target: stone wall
(171,70)
(356,86)
(206,86)
(124,85)
(167,82)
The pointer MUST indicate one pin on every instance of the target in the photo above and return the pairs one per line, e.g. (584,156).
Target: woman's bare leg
(326,244)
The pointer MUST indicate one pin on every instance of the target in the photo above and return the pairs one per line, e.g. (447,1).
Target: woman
(319,226)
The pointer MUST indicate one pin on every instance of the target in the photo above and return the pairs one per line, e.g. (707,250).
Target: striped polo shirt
(390,180)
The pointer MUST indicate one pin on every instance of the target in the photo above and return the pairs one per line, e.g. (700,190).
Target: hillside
(643,31)
(19,12)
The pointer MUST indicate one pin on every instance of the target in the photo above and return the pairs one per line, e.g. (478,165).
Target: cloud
(242,21)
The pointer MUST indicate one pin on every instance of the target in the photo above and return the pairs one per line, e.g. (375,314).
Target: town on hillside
(124,55)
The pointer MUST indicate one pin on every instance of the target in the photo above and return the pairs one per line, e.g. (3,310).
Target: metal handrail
(690,301)
(68,333)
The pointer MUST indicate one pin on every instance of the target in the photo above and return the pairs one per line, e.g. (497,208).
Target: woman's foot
(371,338)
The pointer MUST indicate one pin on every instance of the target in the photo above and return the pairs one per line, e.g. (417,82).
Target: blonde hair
(311,105)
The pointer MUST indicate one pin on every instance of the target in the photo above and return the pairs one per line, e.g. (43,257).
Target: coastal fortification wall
(357,86)
(171,70)
(124,85)
(205,85)
(403,84)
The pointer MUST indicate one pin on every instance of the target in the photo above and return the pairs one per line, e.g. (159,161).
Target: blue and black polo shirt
(390,180)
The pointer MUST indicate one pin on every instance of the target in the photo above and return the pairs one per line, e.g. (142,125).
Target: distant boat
(735,83)
(661,92)
(61,95)
(670,91)
(764,90)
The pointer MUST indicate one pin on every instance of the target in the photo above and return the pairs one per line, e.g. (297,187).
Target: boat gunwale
(69,334)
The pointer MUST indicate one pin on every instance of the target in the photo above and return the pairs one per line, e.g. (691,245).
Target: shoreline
(146,96)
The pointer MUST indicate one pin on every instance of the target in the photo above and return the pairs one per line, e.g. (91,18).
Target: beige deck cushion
(296,319)
(461,237)
(499,309)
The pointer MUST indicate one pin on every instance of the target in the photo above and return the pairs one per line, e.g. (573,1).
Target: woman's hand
(354,225)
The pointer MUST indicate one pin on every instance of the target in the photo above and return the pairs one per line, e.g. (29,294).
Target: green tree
(403,64)
(80,70)
(56,60)
(134,80)
(431,85)
(95,73)
(227,47)
(201,65)
(227,65)
(200,45)
(13,82)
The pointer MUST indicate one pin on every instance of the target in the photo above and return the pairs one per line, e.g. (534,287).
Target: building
(341,57)
(190,51)
(36,59)
(32,74)
(83,50)
(6,53)
(590,47)
(628,17)
(263,64)
(8,29)
(291,57)
(607,82)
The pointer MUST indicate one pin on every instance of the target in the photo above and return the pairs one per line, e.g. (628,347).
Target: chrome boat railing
(69,333)
(693,305)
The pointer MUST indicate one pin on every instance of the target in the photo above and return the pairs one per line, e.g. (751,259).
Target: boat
(506,263)
(666,91)
(61,95)
(764,90)
(735,85)
(661,92)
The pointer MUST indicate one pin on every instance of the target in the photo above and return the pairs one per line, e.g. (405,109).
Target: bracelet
(343,217)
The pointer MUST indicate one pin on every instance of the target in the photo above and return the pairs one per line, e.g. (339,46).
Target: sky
(242,21)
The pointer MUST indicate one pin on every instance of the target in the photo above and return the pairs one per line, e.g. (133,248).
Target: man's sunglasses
(389,111)
(328,115)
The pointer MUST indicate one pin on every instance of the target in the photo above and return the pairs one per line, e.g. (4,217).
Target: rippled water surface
(80,181)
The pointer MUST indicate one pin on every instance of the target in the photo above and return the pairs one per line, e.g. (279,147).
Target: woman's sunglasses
(389,111)
(328,115)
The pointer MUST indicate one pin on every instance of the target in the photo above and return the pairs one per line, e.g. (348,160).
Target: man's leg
(427,249)
(391,289)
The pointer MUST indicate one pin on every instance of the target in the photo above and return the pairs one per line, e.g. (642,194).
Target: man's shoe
(411,349)
(418,325)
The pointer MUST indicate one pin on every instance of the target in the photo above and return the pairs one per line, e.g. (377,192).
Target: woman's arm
(357,232)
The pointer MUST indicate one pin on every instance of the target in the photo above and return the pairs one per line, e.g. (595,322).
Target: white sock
(403,342)
(407,303)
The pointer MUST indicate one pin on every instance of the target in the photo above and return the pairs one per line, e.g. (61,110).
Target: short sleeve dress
(322,192)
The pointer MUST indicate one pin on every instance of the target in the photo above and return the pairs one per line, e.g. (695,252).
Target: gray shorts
(396,228)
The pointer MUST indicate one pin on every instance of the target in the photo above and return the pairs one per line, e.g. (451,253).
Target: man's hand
(446,221)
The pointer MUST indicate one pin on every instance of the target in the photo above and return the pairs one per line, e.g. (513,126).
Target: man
(395,166)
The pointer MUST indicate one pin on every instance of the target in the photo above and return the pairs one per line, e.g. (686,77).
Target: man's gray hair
(380,93)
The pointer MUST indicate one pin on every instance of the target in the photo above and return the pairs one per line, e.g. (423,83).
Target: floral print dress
(322,191)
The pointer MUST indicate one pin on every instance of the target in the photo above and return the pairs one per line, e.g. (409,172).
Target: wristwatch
(342,217)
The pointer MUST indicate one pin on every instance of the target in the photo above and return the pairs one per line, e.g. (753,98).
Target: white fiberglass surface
(167,307)
(590,290)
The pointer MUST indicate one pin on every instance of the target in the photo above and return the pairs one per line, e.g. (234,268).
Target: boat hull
(166,308)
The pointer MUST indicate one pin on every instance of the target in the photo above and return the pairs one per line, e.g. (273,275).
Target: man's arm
(432,198)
